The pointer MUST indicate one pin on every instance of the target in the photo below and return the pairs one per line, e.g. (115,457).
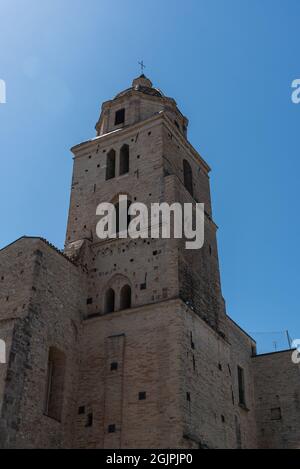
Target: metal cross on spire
(142,66)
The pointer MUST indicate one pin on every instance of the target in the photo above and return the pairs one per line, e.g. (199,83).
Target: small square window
(114,366)
(142,396)
(111,428)
(89,301)
(276,413)
(120,117)
(81,410)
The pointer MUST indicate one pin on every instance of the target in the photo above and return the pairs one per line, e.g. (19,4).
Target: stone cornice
(88,145)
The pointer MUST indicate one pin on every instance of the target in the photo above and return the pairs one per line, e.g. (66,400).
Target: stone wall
(16,274)
(277,394)
(54,303)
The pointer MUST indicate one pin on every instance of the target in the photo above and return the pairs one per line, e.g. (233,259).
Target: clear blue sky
(228,63)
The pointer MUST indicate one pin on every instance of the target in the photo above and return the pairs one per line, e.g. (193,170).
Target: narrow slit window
(241,384)
(124,160)
(188,177)
(110,165)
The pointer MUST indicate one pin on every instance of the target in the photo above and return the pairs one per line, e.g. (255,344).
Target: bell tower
(141,150)
(140,291)
(124,342)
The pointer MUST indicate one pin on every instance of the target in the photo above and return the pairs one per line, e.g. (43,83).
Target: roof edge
(45,241)
(240,328)
(290,350)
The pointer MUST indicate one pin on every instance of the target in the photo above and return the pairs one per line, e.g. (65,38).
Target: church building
(126,343)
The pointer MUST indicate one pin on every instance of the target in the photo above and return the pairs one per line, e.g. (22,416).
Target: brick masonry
(161,373)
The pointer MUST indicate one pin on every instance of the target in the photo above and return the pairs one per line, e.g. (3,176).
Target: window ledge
(244,407)
(122,175)
(119,176)
(51,418)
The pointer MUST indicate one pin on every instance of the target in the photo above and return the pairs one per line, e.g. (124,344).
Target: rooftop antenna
(275,345)
(142,66)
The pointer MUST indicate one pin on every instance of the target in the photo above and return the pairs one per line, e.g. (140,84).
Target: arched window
(110,164)
(118,226)
(125,297)
(120,117)
(188,176)
(124,159)
(55,383)
(109,301)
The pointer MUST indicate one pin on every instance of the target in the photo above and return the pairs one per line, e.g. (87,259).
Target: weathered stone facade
(125,343)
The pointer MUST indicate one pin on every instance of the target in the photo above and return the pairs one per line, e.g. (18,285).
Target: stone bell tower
(125,343)
(141,150)
(139,290)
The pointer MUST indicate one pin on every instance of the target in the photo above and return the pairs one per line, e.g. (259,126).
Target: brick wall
(277,394)
(144,341)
